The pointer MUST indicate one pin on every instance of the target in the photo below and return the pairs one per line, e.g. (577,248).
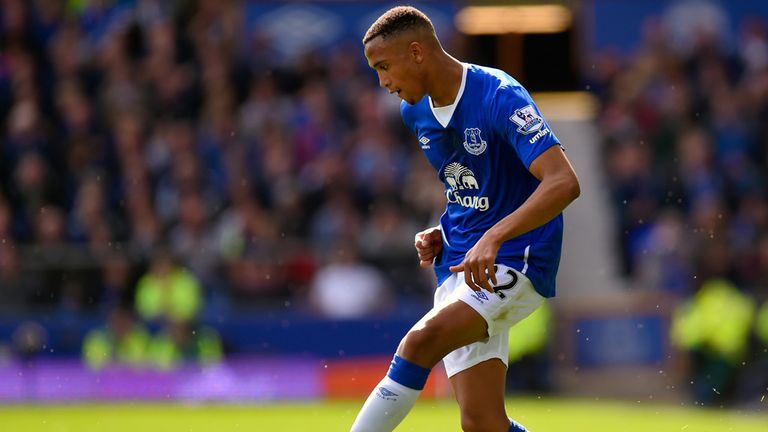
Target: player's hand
(429,244)
(478,264)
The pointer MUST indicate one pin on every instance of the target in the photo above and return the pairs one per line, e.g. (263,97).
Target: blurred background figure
(347,288)
(718,342)
(123,341)
(180,342)
(168,292)
(529,353)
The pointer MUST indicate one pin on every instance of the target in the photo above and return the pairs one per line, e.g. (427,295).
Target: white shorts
(515,299)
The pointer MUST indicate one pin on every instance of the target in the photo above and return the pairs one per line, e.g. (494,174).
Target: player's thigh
(443,329)
(479,391)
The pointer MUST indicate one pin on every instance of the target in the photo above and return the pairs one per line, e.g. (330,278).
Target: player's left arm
(559,187)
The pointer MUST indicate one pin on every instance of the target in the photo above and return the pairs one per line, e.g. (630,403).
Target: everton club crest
(473,141)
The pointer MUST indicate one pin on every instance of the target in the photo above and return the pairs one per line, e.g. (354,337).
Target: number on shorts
(500,288)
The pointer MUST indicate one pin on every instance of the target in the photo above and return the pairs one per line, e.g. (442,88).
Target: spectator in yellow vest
(168,292)
(530,335)
(715,327)
(528,359)
(122,341)
(761,324)
(181,342)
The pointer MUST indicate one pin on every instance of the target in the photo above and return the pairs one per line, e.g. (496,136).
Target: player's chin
(411,98)
(408,100)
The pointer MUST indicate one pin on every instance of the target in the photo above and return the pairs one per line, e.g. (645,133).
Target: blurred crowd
(684,122)
(143,139)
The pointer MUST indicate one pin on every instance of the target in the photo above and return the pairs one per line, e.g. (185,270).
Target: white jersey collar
(443,114)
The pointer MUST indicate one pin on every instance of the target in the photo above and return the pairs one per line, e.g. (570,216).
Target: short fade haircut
(397,20)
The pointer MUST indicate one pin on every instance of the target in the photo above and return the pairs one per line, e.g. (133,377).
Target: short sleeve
(521,124)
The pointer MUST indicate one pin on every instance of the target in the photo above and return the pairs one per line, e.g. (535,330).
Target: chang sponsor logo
(460,179)
(475,202)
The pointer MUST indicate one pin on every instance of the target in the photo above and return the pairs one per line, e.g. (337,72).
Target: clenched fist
(429,244)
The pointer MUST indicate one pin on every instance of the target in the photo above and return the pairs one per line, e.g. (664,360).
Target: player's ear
(416,51)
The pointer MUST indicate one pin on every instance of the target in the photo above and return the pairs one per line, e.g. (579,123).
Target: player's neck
(446,80)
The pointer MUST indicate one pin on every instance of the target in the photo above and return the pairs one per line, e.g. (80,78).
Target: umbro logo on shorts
(499,289)
(480,296)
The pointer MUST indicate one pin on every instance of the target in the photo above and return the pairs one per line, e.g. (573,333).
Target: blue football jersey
(482,157)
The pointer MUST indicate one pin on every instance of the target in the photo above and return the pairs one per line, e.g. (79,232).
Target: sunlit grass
(539,415)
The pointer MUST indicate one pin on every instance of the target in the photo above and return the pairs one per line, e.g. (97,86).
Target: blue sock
(516,427)
(408,374)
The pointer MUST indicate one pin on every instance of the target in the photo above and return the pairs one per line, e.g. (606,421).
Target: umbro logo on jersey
(538,135)
(424,142)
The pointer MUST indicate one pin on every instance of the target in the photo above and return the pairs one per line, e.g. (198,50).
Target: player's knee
(483,421)
(422,346)
(419,340)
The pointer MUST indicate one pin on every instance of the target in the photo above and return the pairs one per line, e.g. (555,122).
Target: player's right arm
(429,244)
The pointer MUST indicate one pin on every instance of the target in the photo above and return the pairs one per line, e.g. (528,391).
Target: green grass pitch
(539,415)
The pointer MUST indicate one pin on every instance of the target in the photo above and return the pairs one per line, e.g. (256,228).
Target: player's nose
(384,82)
